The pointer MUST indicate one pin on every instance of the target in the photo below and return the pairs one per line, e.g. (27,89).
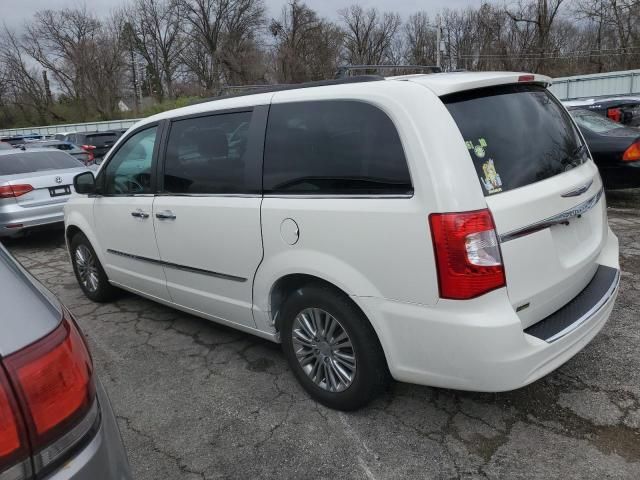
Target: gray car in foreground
(56,421)
(34,186)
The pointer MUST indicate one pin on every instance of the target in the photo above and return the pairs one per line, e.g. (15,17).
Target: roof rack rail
(343,72)
(256,89)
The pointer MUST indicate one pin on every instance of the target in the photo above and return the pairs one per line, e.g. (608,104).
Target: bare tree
(22,86)
(155,32)
(307,47)
(369,35)
(223,39)
(420,37)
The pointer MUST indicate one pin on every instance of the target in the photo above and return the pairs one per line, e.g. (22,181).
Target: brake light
(12,191)
(13,445)
(526,78)
(632,154)
(614,114)
(88,148)
(467,253)
(53,383)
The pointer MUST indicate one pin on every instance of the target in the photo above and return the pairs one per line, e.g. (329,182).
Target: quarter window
(334,148)
(129,170)
(206,155)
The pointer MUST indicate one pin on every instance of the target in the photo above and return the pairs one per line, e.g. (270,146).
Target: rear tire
(89,272)
(332,348)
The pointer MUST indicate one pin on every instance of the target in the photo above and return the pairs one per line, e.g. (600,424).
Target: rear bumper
(29,217)
(104,458)
(480,344)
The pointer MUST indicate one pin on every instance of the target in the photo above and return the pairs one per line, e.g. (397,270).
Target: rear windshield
(99,139)
(594,121)
(516,135)
(27,162)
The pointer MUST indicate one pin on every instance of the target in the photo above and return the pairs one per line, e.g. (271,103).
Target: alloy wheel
(87,268)
(323,349)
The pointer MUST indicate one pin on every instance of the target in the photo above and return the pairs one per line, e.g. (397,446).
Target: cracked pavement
(195,400)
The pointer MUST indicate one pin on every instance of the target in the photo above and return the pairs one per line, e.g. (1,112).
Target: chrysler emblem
(58,179)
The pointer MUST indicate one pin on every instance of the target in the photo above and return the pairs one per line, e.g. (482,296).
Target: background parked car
(84,156)
(97,142)
(625,110)
(34,186)
(55,417)
(615,148)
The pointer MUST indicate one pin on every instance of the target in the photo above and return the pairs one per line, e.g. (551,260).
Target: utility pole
(438,39)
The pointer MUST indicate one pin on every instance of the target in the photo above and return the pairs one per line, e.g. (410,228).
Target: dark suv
(100,141)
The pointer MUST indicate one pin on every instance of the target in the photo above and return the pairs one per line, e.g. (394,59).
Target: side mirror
(85,183)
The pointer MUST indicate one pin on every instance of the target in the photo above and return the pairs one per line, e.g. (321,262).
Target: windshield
(27,162)
(516,135)
(594,121)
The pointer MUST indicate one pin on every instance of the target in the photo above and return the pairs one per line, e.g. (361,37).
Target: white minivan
(446,229)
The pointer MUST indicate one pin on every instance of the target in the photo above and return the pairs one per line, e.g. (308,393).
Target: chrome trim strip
(592,311)
(68,441)
(209,195)
(313,196)
(578,191)
(20,471)
(178,266)
(561,218)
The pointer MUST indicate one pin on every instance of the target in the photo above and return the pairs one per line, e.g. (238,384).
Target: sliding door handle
(166,215)
(139,214)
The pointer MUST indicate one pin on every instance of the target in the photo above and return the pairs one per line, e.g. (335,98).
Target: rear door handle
(139,214)
(166,215)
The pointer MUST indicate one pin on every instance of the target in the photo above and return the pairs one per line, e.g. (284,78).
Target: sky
(16,12)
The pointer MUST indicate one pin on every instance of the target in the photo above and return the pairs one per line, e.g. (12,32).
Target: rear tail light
(12,191)
(614,114)
(14,448)
(53,384)
(632,154)
(467,254)
(88,148)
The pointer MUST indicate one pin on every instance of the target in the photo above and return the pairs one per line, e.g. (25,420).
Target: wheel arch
(287,284)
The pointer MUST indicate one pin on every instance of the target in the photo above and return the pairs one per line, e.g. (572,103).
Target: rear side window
(205,155)
(27,162)
(516,135)
(333,148)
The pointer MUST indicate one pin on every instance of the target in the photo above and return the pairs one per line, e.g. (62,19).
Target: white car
(445,229)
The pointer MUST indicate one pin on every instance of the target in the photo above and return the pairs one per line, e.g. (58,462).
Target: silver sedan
(34,186)
(56,421)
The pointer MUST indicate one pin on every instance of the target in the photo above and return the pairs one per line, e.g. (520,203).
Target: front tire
(331,348)
(89,272)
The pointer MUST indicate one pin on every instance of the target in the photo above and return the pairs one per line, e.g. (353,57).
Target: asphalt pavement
(196,400)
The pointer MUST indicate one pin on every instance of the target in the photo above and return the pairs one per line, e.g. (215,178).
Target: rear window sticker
(480,149)
(491,180)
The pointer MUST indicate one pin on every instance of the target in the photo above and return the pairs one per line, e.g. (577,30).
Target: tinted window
(129,170)
(516,135)
(25,162)
(206,154)
(333,147)
(101,139)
